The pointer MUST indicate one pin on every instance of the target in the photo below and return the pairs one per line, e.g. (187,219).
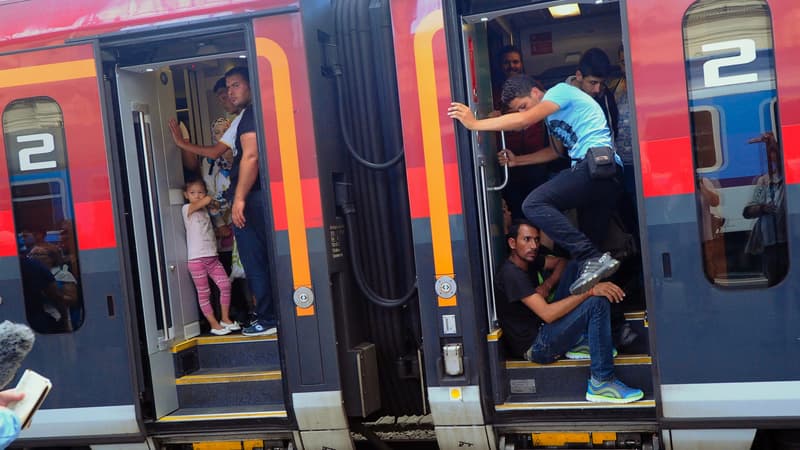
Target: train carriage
(385,222)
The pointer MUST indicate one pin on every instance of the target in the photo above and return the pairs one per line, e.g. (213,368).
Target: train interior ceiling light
(566,10)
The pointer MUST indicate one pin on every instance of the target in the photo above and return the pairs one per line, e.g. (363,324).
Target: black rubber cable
(346,135)
(372,296)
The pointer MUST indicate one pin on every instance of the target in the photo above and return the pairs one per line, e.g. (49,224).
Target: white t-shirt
(200,240)
(229,137)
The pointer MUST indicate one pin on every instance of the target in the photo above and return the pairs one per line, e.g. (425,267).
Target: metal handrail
(153,223)
(505,167)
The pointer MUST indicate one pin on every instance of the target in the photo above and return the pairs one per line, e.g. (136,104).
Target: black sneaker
(259,328)
(594,270)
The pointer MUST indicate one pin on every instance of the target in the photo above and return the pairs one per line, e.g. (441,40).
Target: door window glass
(33,130)
(740,187)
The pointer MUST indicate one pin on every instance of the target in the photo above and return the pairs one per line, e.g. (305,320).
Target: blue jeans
(573,188)
(590,320)
(252,242)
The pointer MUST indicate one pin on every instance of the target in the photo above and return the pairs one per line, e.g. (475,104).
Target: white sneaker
(220,332)
(233,326)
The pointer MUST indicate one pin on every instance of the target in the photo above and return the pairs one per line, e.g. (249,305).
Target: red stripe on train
(667,167)
(94,225)
(8,241)
(791,152)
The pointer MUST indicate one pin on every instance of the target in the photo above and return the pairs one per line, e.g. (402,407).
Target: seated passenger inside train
(541,328)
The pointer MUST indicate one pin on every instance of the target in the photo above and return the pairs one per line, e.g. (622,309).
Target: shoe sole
(603,399)
(584,356)
(584,286)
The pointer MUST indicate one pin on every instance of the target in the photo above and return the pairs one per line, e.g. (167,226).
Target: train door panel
(718,175)
(489,177)
(57,219)
(156,192)
(300,267)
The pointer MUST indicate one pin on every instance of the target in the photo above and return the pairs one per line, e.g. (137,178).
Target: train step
(222,352)
(262,411)
(216,387)
(646,402)
(565,380)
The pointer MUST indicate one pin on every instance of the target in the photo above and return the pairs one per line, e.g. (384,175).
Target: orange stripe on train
(48,73)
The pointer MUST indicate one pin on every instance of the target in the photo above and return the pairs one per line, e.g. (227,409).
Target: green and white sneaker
(612,391)
(581,352)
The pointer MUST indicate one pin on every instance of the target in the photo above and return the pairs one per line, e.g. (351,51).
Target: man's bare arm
(248,172)
(550,312)
(555,265)
(214,151)
(506,122)
(542,156)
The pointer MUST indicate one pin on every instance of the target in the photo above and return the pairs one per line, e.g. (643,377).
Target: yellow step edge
(637,315)
(233,338)
(225,416)
(229,377)
(185,345)
(524,406)
(214,340)
(624,360)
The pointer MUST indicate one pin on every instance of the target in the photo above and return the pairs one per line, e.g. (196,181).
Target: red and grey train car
(385,221)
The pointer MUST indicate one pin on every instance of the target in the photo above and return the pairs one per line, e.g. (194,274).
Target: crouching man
(542,332)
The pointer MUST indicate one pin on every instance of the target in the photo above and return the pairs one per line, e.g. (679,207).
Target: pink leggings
(201,269)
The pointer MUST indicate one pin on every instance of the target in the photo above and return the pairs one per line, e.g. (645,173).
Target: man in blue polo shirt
(576,124)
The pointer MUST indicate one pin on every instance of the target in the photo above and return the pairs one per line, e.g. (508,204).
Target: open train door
(56,214)
(155,180)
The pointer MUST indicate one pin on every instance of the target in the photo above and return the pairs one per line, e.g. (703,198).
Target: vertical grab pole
(486,248)
(505,167)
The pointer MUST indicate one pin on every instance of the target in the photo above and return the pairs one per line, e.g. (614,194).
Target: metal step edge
(622,360)
(278,414)
(217,340)
(528,406)
(229,377)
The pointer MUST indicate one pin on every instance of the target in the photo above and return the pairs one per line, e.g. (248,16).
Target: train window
(36,154)
(733,107)
(706,139)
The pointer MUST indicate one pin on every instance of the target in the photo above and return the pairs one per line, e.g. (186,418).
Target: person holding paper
(10,424)
(16,341)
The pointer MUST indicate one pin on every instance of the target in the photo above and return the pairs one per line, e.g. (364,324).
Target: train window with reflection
(706,138)
(740,188)
(33,131)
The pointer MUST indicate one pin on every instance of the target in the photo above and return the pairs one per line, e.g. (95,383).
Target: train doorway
(157,82)
(547,41)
